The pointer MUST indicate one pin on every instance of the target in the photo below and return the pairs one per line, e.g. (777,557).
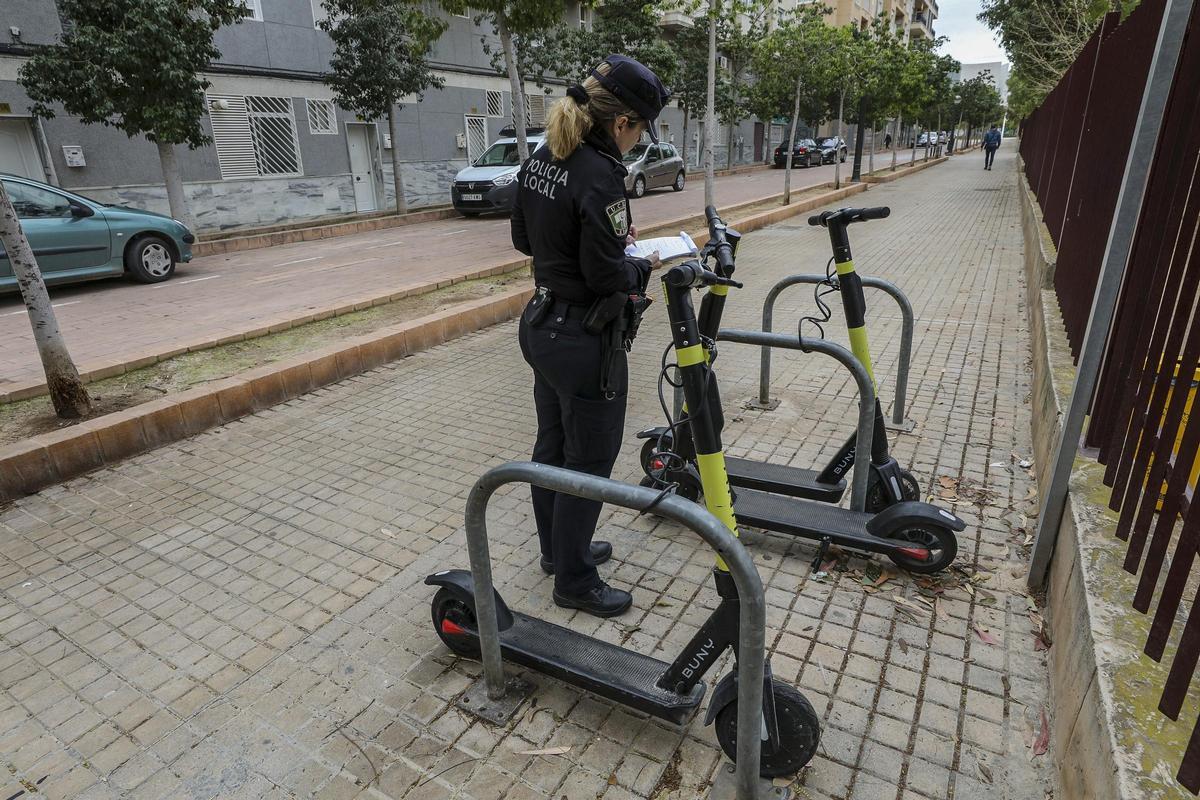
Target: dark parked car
(832,148)
(804,154)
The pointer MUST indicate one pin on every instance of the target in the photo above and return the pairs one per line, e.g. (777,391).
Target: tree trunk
(684,149)
(938,153)
(871,154)
(710,117)
(896,139)
(859,133)
(729,149)
(70,399)
(514,80)
(397,176)
(837,160)
(790,144)
(174,181)
(914,138)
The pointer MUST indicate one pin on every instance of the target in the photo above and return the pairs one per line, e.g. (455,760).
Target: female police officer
(571,215)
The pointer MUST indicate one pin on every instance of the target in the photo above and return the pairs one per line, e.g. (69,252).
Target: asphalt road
(115,321)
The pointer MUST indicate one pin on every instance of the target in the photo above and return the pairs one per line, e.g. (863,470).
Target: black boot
(601,552)
(602,601)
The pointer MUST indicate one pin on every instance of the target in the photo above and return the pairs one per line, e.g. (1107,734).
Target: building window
(495,103)
(322,118)
(255,9)
(583,17)
(723,61)
(535,110)
(254,136)
(319,12)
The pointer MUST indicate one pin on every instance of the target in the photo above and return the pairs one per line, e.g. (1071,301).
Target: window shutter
(232,137)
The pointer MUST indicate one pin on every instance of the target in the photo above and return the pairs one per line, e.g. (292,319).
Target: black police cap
(635,85)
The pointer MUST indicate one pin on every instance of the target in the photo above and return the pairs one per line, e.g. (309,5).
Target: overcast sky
(970,40)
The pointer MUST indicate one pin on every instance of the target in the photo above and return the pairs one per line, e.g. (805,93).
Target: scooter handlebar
(845,216)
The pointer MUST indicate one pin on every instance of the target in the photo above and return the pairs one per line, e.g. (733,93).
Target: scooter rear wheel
(799,733)
(449,612)
(877,494)
(941,543)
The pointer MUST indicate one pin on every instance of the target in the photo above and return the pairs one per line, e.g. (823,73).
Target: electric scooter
(888,483)
(790,728)
(916,536)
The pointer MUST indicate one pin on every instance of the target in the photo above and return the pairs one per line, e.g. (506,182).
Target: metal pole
(752,613)
(906,339)
(866,395)
(1116,255)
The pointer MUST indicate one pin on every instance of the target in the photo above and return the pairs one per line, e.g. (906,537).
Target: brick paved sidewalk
(241,615)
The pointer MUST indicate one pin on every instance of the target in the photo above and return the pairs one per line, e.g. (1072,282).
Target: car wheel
(679,181)
(843,156)
(639,186)
(150,259)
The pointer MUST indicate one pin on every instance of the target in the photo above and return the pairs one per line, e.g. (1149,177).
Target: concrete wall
(1110,740)
(37,19)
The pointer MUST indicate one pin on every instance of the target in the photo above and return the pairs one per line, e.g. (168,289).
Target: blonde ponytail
(569,121)
(566,125)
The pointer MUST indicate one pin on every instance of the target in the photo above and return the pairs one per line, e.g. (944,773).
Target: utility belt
(615,318)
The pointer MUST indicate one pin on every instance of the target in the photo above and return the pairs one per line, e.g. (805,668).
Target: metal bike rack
(866,393)
(898,422)
(752,606)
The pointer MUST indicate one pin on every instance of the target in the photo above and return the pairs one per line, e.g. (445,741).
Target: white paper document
(668,247)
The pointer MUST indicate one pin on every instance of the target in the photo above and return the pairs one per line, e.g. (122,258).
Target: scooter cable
(827,286)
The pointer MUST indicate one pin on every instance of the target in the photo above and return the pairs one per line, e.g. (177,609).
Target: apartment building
(282,150)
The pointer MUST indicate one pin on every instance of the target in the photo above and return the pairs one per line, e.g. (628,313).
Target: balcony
(921,26)
(675,20)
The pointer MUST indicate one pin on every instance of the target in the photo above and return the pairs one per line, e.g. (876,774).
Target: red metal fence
(1074,148)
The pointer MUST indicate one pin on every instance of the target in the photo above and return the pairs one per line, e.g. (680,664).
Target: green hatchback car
(77,239)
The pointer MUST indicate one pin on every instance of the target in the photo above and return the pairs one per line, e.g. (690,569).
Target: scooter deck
(806,518)
(604,669)
(781,479)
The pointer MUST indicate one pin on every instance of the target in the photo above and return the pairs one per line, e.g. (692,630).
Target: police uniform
(572,217)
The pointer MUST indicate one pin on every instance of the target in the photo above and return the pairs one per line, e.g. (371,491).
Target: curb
(31,389)
(903,171)
(49,458)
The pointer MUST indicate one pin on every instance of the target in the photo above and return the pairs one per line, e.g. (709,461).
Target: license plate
(470,197)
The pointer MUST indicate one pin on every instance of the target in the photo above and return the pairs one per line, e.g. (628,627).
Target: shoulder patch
(618,217)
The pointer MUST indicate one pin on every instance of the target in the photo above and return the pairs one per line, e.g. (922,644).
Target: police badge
(618,217)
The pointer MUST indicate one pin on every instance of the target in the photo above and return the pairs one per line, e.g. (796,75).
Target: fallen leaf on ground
(1041,742)
(546,751)
(984,636)
(947,482)
(985,771)
(903,647)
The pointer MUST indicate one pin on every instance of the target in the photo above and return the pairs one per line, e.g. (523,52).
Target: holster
(619,333)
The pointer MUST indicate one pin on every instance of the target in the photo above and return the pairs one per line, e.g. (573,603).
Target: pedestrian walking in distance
(991,143)
(571,215)
(887,141)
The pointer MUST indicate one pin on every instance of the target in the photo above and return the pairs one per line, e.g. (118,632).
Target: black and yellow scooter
(888,483)
(917,536)
(673,692)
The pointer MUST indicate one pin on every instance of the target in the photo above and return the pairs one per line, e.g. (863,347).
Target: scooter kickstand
(822,552)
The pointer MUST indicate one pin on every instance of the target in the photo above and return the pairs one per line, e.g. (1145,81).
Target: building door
(18,152)
(362,169)
(758,141)
(477,137)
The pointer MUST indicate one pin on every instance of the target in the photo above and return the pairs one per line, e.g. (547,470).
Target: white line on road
(297,261)
(54,305)
(451,233)
(384,244)
(181,283)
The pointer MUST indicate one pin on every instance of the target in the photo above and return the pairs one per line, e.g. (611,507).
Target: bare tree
(67,394)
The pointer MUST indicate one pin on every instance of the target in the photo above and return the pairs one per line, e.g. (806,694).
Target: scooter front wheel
(941,544)
(451,620)
(799,733)
(659,474)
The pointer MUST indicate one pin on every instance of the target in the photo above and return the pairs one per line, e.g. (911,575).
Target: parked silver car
(651,166)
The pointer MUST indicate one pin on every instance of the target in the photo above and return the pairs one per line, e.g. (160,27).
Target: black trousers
(578,428)
(989,155)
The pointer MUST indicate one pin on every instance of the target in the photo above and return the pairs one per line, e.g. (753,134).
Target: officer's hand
(655,261)
(631,237)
